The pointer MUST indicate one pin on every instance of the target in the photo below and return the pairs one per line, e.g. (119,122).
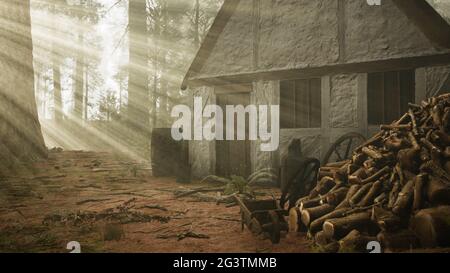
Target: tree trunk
(20,132)
(156,42)
(56,74)
(138,116)
(197,24)
(57,97)
(78,95)
(86,92)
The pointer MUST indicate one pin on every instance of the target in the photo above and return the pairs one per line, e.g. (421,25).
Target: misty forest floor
(111,204)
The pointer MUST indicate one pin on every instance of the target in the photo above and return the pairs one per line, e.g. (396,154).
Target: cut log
(432,226)
(408,159)
(360,194)
(444,138)
(371,194)
(323,174)
(294,220)
(310,203)
(311,214)
(351,168)
(438,192)
(352,191)
(405,198)
(339,227)
(340,176)
(386,220)
(413,118)
(404,239)
(360,173)
(419,191)
(369,163)
(372,153)
(337,164)
(393,195)
(359,158)
(424,155)
(433,168)
(403,127)
(395,144)
(380,199)
(317,224)
(447,166)
(337,196)
(354,242)
(430,146)
(354,180)
(447,152)
(331,247)
(299,201)
(323,187)
(412,139)
(446,121)
(320,239)
(377,175)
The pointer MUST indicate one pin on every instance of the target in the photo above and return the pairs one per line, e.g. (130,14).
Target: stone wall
(233,50)
(344,101)
(297,33)
(264,93)
(381,32)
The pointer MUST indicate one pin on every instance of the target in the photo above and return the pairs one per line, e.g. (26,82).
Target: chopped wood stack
(395,189)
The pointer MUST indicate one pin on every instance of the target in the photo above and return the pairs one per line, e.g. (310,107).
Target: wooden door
(233,156)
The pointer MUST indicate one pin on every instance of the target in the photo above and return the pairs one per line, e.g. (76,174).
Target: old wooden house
(333,66)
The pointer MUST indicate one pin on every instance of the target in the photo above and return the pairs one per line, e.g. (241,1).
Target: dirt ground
(110,204)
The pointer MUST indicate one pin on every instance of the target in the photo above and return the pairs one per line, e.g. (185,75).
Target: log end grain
(294,219)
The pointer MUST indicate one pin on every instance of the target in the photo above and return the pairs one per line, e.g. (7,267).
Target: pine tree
(20,132)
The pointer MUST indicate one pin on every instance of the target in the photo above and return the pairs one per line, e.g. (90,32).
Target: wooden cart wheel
(343,147)
(275,233)
(304,181)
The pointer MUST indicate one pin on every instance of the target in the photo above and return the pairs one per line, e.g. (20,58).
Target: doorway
(233,157)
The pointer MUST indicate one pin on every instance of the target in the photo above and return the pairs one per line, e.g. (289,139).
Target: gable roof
(427,19)
(442,7)
(420,12)
(224,14)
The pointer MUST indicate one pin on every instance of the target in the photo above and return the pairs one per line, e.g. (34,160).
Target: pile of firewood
(394,190)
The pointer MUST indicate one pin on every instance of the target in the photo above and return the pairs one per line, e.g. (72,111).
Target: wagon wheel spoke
(338,154)
(343,144)
(349,146)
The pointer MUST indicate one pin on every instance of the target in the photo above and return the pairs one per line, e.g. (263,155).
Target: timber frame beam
(315,72)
